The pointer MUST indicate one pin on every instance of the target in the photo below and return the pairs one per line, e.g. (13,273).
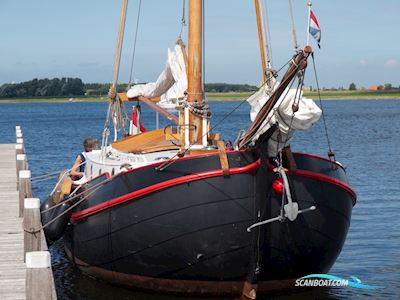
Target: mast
(309,4)
(195,62)
(261,40)
(264,47)
(294,34)
(114,114)
(268,73)
(120,39)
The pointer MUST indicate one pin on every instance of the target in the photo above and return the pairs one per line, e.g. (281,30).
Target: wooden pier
(19,214)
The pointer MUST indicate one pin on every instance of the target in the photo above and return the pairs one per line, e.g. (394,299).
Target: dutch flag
(314,28)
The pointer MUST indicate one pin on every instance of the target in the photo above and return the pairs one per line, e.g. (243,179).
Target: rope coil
(200,109)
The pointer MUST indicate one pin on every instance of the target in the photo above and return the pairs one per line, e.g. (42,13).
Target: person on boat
(78,169)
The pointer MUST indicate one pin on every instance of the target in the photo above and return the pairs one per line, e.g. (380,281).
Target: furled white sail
(282,113)
(174,75)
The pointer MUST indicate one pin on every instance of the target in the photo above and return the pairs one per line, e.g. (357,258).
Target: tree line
(43,88)
(380,87)
(72,87)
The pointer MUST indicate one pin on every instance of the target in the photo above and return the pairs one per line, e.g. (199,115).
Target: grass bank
(325,95)
(53,100)
(351,95)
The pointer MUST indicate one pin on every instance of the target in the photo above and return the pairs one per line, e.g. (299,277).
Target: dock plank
(12,266)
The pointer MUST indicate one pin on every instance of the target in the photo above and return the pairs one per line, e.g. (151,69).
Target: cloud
(391,63)
(364,62)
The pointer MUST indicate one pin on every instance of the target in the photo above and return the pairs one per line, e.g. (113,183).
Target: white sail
(174,75)
(282,113)
(170,99)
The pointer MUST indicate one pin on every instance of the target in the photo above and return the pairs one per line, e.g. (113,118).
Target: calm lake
(365,135)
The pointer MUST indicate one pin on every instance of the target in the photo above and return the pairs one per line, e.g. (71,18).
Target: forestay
(282,113)
(173,76)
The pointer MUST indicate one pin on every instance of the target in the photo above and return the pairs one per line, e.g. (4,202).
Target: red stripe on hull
(160,186)
(321,177)
(324,178)
(319,157)
(204,175)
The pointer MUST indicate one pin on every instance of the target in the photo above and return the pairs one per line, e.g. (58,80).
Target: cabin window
(99,171)
(91,171)
(112,172)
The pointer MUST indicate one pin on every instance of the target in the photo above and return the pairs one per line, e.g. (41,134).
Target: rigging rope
(45,176)
(88,190)
(294,34)
(269,36)
(295,106)
(98,186)
(134,44)
(183,19)
(118,114)
(267,39)
(180,154)
(53,174)
(204,53)
(330,152)
(115,108)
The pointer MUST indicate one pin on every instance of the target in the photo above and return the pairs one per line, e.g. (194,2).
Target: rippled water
(364,134)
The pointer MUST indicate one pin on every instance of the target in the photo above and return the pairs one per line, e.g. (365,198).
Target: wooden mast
(195,62)
(261,40)
(120,39)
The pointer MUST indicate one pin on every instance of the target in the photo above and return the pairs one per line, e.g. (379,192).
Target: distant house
(373,87)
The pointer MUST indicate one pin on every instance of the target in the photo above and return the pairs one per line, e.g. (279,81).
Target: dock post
(20,141)
(19,149)
(25,188)
(39,276)
(18,134)
(31,225)
(19,146)
(21,164)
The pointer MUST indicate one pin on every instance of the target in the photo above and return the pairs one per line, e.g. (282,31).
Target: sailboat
(177,210)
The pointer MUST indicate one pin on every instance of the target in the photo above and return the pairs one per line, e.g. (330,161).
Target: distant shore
(325,95)
(230,96)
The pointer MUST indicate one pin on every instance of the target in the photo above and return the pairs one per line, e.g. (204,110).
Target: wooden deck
(12,266)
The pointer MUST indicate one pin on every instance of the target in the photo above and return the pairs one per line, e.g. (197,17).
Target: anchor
(290,210)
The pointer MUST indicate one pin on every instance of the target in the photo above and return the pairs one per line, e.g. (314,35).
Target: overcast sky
(76,38)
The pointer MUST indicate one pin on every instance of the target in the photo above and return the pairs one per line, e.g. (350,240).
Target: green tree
(388,87)
(352,87)
(44,88)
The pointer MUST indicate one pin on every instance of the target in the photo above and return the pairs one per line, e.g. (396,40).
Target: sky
(77,38)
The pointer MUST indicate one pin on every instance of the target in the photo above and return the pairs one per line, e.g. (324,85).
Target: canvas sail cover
(173,93)
(174,75)
(282,114)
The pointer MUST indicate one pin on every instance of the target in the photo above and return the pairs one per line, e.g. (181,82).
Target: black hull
(184,229)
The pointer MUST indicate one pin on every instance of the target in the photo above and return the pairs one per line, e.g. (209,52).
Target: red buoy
(277,185)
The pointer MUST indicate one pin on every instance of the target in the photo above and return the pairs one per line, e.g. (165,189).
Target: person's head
(88,144)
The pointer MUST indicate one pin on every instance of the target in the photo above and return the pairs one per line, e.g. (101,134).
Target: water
(363,134)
